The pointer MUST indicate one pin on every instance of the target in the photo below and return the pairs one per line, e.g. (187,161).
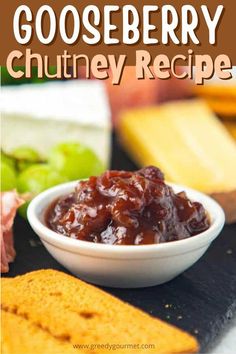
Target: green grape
(25,157)
(25,153)
(8,177)
(75,161)
(36,179)
(23,210)
(8,160)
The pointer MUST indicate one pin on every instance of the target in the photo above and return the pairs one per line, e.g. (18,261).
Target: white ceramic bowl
(124,266)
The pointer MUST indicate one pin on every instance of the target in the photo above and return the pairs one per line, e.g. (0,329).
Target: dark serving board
(201,301)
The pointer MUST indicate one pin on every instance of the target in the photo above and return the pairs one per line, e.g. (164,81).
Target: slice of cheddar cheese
(216,90)
(231,127)
(186,141)
(225,108)
(220,96)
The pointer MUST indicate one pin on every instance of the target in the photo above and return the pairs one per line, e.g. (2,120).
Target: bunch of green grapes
(25,171)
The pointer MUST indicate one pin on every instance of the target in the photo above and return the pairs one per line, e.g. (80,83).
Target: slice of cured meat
(10,202)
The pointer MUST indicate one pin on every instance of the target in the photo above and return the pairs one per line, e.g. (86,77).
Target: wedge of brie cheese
(42,115)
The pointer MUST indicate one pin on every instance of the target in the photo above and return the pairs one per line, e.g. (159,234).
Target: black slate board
(201,301)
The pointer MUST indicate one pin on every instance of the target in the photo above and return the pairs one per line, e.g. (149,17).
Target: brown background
(225,34)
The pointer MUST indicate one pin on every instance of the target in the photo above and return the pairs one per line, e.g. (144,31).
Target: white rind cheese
(42,115)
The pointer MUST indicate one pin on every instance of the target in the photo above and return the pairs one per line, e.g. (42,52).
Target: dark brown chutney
(127,208)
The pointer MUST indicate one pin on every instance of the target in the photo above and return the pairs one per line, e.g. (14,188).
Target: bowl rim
(76,246)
